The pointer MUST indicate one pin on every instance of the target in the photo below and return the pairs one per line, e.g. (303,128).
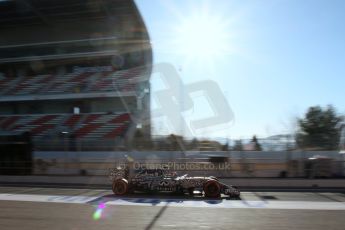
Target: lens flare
(98,213)
(129,158)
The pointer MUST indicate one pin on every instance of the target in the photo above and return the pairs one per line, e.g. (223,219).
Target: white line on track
(47,198)
(115,201)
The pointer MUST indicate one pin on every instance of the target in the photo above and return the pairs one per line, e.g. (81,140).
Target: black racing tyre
(191,191)
(212,189)
(178,191)
(120,187)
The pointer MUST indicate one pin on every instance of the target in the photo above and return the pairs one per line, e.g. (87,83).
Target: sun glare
(202,37)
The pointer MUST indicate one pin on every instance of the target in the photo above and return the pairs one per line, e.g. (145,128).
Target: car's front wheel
(120,187)
(212,189)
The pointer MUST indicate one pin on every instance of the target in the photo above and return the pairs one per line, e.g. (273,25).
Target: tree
(175,142)
(141,141)
(238,145)
(320,129)
(257,146)
(193,144)
(225,147)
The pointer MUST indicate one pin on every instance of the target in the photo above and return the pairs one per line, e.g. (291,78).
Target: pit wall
(233,164)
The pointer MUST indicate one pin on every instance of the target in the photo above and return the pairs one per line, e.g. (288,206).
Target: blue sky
(272,59)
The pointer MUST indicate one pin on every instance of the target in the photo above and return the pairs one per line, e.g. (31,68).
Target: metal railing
(226,167)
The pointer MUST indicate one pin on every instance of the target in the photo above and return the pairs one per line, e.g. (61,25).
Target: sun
(202,37)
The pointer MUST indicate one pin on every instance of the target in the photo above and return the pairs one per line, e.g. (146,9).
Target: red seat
(9,121)
(85,130)
(121,118)
(72,120)
(116,132)
(43,119)
(40,129)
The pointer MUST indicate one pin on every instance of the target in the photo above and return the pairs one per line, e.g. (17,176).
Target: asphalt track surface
(81,209)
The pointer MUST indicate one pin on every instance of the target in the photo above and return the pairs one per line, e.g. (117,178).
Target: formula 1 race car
(159,180)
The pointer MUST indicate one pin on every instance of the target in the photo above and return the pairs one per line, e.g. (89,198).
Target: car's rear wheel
(212,189)
(120,187)
(191,191)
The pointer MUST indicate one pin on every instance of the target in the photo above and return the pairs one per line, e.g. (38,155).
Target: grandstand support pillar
(287,163)
(143,110)
(66,148)
(78,162)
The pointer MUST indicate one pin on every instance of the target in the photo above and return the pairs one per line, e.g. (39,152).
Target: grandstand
(74,69)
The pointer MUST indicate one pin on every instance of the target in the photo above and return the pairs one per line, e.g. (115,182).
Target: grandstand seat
(72,120)
(86,130)
(43,119)
(40,129)
(121,118)
(85,126)
(116,132)
(9,121)
(92,117)
(71,82)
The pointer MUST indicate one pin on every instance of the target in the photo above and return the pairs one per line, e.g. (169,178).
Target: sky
(271,59)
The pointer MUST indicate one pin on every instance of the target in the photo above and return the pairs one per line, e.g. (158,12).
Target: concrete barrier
(102,181)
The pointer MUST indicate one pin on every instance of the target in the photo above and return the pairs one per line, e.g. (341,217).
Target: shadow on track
(142,198)
(156,217)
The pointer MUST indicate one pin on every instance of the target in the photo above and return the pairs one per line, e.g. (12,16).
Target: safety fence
(215,166)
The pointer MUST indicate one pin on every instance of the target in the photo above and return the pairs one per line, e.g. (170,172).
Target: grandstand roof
(35,12)
(59,29)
